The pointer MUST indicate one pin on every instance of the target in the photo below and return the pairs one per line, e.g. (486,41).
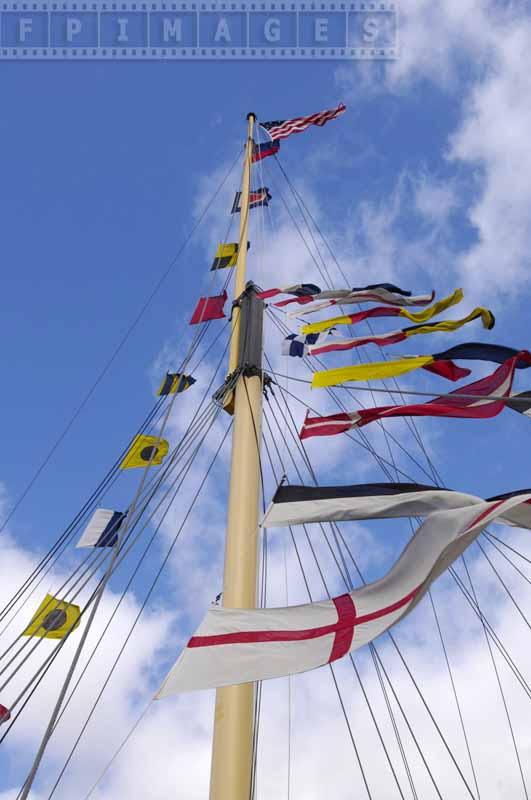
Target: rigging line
(437,622)
(46,569)
(406,720)
(490,539)
(146,599)
(513,399)
(363,443)
(118,348)
(84,510)
(51,658)
(382,685)
(178,450)
(362,434)
(123,555)
(492,633)
(177,480)
(456,696)
(409,422)
(414,429)
(399,742)
(508,546)
(119,750)
(350,655)
(437,477)
(338,691)
(299,231)
(331,393)
(511,596)
(289,676)
(498,679)
(97,599)
(414,682)
(90,556)
(297,200)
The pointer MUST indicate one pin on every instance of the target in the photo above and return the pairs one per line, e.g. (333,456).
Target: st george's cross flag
(386,311)
(304,292)
(305,505)
(472,401)
(233,646)
(282,128)
(337,342)
(102,530)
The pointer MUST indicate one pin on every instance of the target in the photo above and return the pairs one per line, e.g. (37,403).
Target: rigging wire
(180,449)
(119,347)
(420,694)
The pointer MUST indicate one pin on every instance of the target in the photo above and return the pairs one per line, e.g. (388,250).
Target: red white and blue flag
(264,150)
(257,197)
(281,128)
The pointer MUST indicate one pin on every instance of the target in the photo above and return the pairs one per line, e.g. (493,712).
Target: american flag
(281,128)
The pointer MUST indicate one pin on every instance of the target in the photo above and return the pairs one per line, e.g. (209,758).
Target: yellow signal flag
(415,316)
(54,619)
(488,321)
(226,256)
(377,370)
(145,450)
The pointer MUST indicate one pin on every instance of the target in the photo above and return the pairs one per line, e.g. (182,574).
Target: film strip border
(198,31)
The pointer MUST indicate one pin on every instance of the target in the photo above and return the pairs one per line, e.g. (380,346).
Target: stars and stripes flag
(470,402)
(337,342)
(281,128)
(235,646)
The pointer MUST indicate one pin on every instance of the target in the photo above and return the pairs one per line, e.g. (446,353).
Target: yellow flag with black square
(226,256)
(54,619)
(145,450)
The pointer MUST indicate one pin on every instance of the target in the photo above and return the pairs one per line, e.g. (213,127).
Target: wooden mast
(232,749)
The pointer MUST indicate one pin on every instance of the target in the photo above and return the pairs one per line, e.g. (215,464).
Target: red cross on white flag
(241,645)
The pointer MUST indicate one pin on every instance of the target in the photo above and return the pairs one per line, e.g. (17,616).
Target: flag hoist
(232,749)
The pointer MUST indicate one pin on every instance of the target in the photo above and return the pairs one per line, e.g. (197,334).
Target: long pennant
(304,505)
(235,646)
(473,405)
(378,370)
(384,311)
(336,342)
(370,295)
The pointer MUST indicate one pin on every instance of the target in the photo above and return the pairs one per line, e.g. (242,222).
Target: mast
(232,749)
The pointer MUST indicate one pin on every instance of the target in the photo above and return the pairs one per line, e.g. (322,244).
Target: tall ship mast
(252,363)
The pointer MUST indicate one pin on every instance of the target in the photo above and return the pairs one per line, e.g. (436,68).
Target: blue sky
(422,182)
